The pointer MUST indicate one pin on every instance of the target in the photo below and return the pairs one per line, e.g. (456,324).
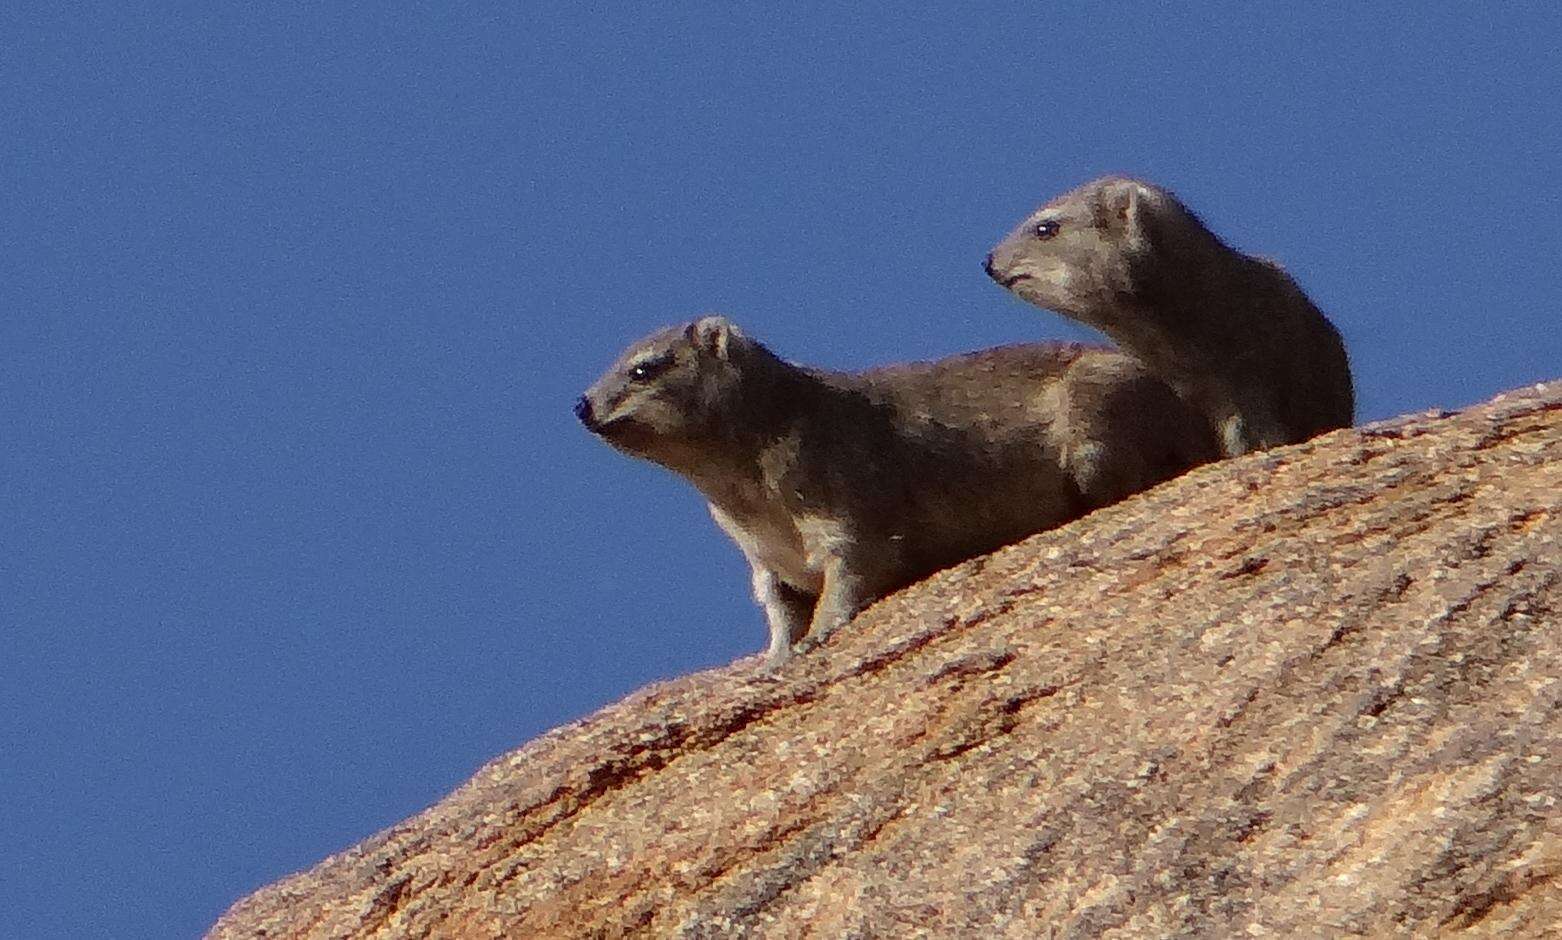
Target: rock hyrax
(1232,333)
(842,487)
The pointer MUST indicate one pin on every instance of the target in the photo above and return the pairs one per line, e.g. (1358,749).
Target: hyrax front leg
(1094,433)
(788,611)
(1248,424)
(855,575)
(1119,430)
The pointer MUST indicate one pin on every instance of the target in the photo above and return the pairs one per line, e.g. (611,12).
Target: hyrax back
(840,488)
(1233,334)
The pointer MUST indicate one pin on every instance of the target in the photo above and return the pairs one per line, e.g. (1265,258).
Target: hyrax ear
(713,335)
(1129,207)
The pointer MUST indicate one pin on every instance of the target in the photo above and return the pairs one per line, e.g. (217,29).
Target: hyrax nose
(583,411)
(987,266)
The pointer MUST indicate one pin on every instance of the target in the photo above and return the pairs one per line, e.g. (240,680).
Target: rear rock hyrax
(840,488)
(1232,333)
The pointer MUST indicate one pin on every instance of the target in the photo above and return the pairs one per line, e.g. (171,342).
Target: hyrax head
(1077,253)
(665,393)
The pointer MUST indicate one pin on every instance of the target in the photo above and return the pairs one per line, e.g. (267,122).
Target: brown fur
(1233,334)
(840,488)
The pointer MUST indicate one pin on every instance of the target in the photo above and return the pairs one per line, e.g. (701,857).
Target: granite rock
(1315,691)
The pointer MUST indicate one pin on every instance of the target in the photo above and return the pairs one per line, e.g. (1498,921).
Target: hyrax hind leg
(1119,430)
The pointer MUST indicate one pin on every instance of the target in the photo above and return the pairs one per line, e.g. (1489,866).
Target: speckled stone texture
(1310,692)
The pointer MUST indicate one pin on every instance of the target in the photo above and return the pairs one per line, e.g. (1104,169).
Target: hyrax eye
(649,369)
(1047,228)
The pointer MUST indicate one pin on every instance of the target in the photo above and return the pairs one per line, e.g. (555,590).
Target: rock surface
(1315,691)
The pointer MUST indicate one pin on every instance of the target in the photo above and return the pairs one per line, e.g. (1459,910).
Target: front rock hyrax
(840,488)
(1232,333)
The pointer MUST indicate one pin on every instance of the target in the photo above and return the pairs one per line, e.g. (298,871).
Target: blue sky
(296,527)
